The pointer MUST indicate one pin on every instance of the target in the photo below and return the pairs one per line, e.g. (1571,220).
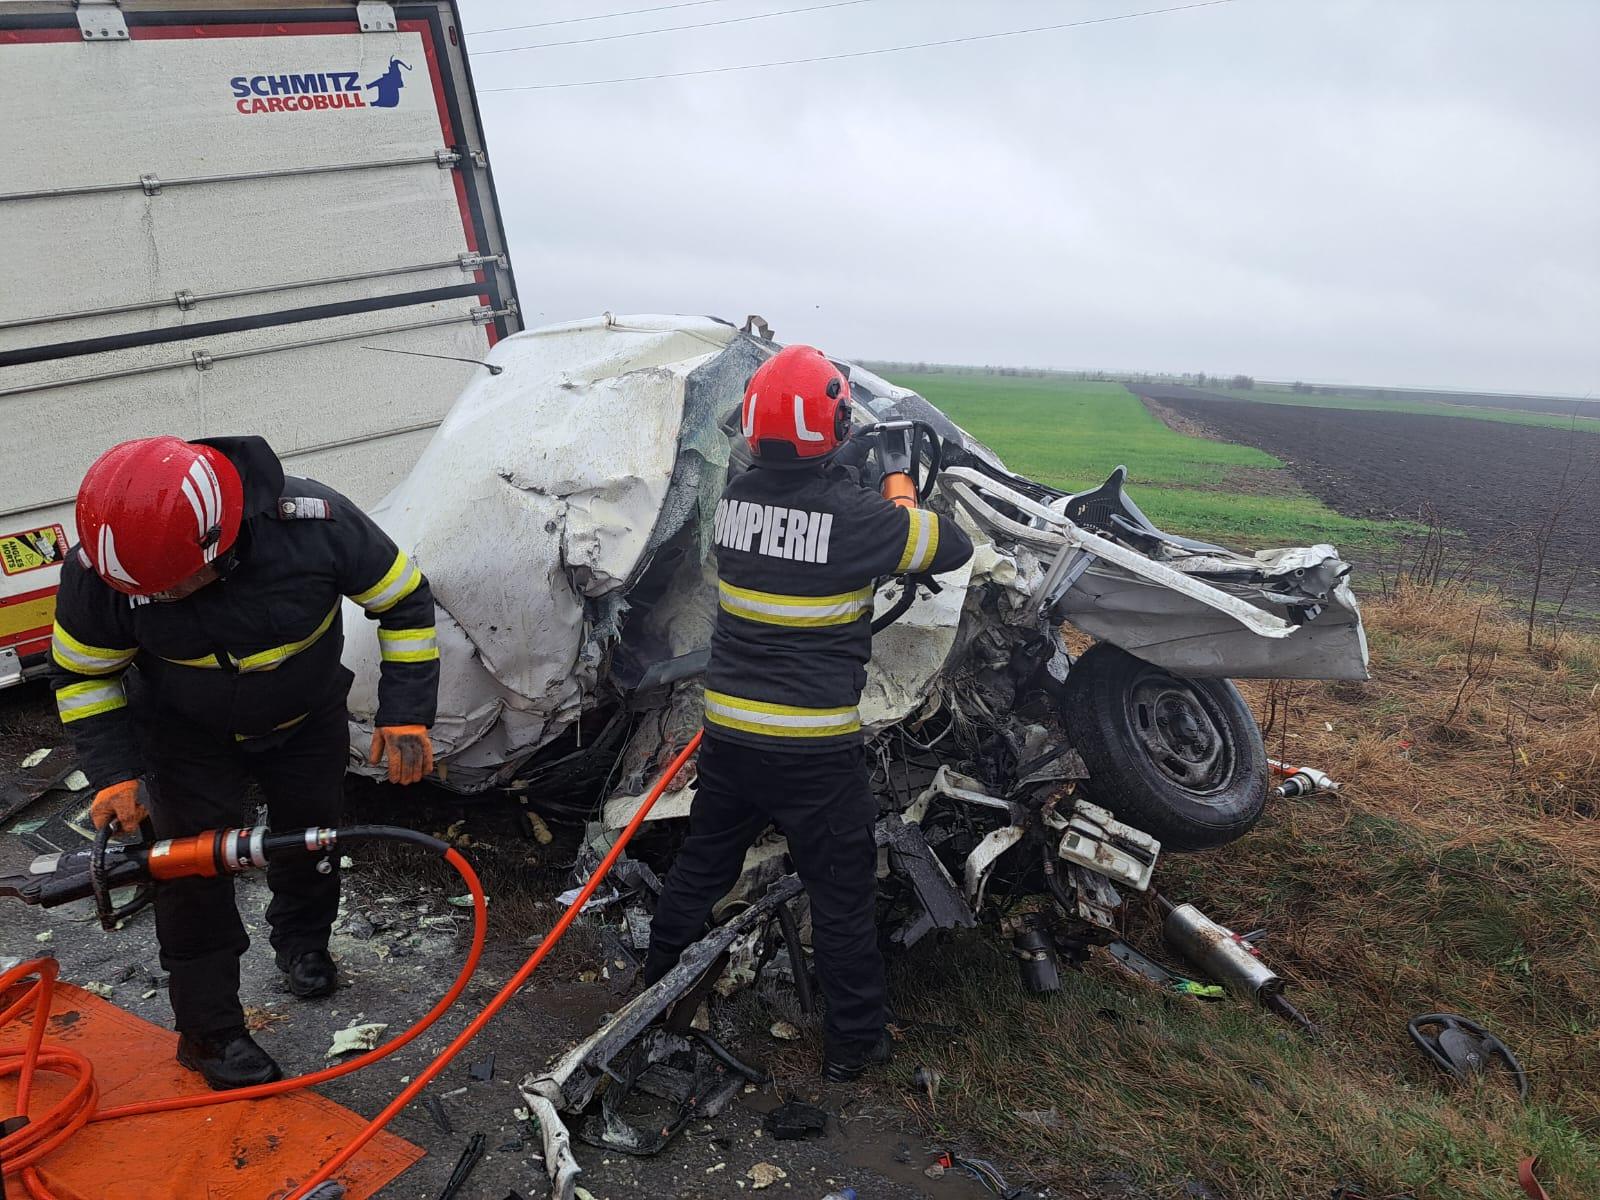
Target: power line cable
(821,58)
(613,37)
(630,12)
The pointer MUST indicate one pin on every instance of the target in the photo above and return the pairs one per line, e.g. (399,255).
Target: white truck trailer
(225,217)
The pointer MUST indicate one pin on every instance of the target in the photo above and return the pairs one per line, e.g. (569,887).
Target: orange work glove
(122,801)
(409,750)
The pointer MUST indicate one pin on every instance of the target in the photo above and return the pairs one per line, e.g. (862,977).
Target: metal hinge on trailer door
(101,21)
(376,16)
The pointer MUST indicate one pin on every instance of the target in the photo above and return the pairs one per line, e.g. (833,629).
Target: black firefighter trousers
(823,805)
(197,782)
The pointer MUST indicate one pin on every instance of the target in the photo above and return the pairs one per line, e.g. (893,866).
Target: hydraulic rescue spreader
(55,879)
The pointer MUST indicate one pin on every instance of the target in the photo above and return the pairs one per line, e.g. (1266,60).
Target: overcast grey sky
(1376,191)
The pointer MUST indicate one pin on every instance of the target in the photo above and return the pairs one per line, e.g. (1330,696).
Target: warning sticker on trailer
(32,549)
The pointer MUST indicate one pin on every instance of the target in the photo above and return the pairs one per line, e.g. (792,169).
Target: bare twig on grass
(1477,670)
(1563,499)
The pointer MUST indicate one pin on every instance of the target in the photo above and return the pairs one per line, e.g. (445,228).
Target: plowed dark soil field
(1492,482)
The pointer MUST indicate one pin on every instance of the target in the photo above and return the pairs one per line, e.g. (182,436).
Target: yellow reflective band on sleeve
(409,645)
(84,659)
(398,582)
(263,660)
(798,612)
(779,720)
(79,700)
(922,542)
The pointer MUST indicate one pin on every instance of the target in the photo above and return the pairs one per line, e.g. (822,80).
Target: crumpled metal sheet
(530,512)
(1166,628)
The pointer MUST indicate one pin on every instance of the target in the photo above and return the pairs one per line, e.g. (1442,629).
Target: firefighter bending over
(197,642)
(800,546)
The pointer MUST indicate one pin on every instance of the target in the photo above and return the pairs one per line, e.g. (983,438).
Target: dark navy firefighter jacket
(251,655)
(799,555)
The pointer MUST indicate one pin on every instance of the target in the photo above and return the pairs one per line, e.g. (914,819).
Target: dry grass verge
(1459,870)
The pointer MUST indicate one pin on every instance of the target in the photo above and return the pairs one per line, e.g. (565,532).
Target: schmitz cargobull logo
(317,91)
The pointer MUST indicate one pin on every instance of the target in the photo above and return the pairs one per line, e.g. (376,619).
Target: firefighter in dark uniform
(800,546)
(197,642)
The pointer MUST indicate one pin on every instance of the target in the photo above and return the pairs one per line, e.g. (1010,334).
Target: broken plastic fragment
(45,936)
(764,1174)
(37,757)
(571,894)
(75,782)
(103,990)
(465,901)
(359,1037)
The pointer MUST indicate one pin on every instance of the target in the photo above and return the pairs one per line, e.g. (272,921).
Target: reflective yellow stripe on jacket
(803,612)
(264,660)
(79,700)
(409,645)
(922,542)
(398,582)
(83,659)
(779,720)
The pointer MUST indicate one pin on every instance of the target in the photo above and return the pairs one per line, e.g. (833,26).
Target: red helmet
(796,408)
(153,512)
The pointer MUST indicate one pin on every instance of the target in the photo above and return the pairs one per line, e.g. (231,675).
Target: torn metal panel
(572,1082)
(556,471)
(1098,842)
(980,863)
(685,1071)
(563,1168)
(912,860)
(955,786)
(910,654)
(1093,898)
(1242,621)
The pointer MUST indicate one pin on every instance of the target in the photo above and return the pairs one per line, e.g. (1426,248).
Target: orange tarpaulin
(252,1150)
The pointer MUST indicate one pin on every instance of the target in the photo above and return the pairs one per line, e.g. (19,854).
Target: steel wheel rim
(1182,732)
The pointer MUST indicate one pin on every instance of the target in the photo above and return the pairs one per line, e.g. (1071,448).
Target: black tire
(1179,758)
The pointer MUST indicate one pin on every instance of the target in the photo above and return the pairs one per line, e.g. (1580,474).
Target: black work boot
(841,1064)
(228,1059)
(311,972)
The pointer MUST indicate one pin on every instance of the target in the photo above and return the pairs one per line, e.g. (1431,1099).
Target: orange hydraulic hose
(513,985)
(20,1151)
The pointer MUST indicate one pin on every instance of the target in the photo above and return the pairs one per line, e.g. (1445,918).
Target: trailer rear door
(227,218)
